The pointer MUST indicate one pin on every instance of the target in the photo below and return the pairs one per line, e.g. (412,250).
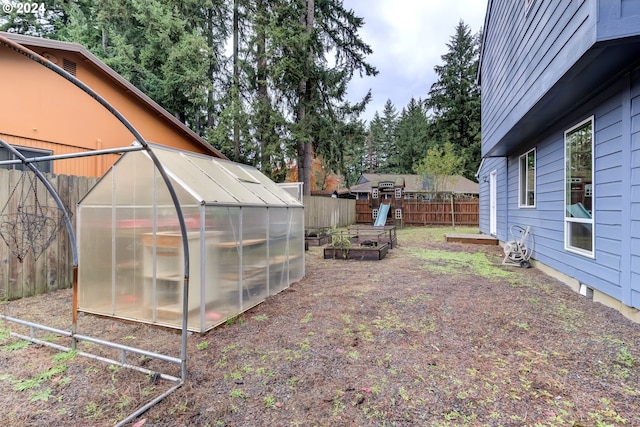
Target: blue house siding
(613,270)
(542,73)
(490,164)
(619,18)
(525,55)
(634,176)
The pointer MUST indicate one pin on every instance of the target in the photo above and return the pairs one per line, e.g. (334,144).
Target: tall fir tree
(389,149)
(154,44)
(309,31)
(412,137)
(375,144)
(454,99)
(39,19)
(281,94)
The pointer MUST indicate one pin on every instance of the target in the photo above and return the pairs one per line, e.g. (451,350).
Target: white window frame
(568,221)
(398,193)
(398,214)
(523,179)
(374,213)
(374,193)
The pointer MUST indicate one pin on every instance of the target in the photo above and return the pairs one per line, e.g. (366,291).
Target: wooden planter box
(360,253)
(319,240)
(380,235)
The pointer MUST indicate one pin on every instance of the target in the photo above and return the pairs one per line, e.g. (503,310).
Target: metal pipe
(73,155)
(32,325)
(98,358)
(174,197)
(149,405)
(126,348)
(54,194)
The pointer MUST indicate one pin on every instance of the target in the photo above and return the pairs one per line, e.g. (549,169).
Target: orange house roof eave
(77,48)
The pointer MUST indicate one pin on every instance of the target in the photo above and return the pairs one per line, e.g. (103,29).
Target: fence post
(453,215)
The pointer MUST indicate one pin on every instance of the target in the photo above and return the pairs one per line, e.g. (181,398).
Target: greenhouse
(245,240)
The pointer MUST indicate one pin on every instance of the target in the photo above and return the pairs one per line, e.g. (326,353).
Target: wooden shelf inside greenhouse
(247,242)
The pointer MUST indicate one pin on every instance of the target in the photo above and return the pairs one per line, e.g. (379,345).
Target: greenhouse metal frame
(179,228)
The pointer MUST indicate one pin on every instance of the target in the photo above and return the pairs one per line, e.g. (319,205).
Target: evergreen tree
(389,147)
(315,92)
(454,100)
(411,138)
(353,155)
(39,19)
(281,94)
(154,44)
(375,153)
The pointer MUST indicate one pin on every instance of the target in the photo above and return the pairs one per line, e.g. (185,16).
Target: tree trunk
(212,69)
(236,83)
(305,146)
(263,98)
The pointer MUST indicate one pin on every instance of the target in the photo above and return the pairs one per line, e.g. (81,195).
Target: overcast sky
(408,38)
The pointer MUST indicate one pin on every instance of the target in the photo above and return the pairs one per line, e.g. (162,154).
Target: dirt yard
(435,334)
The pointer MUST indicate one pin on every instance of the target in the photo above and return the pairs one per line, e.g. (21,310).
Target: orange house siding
(88,166)
(41,109)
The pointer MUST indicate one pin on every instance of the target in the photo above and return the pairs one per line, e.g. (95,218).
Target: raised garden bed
(317,237)
(318,240)
(361,253)
(380,234)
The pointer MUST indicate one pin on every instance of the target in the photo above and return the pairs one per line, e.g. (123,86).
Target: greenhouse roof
(208,180)
(215,181)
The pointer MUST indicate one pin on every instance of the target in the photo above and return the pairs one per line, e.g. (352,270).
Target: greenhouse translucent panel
(217,173)
(163,265)
(248,178)
(95,259)
(285,196)
(222,295)
(101,193)
(278,249)
(198,183)
(255,264)
(163,197)
(296,245)
(131,247)
(133,173)
(128,292)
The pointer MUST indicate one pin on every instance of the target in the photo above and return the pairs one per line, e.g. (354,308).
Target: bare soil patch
(434,334)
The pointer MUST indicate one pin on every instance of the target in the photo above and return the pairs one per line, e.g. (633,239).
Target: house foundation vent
(586,291)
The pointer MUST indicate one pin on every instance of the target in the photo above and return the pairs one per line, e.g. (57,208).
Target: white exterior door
(493,203)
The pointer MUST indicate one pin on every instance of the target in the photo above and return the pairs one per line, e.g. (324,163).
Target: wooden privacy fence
(327,212)
(416,212)
(52,269)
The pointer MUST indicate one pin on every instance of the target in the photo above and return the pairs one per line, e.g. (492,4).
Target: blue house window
(578,195)
(527,187)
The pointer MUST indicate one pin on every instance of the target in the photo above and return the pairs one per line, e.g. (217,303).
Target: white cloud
(408,38)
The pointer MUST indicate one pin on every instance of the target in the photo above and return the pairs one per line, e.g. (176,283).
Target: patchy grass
(456,263)
(436,334)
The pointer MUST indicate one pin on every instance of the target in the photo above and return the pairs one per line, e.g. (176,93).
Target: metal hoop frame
(72,239)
